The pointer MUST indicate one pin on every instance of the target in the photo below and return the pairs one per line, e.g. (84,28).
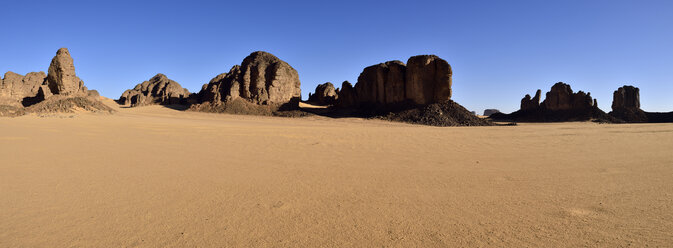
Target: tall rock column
(61,76)
(428,79)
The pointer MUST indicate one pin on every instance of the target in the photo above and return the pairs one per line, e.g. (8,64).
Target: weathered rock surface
(325,94)
(262,80)
(489,112)
(158,90)
(18,90)
(347,97)
(425,79)
(61,76)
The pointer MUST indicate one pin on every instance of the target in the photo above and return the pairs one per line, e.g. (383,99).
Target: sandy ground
(157,177)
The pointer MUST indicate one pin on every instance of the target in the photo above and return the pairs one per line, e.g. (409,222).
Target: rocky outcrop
(158,90)
(528,103)
(61,76)
(347,97)
(262,80)
(561,97)
(17,90)
(425,79)
(489,112)
(325,94)
(58,91)
(560,104)
(626,97)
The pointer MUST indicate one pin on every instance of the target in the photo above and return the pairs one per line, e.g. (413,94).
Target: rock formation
(424,80)
(17,90)
(626,97)
(61,77)
(58,91)
(528,103)
(560,104)
(489,112)
(347,96)
(158,90)
(325,94)
(261,81)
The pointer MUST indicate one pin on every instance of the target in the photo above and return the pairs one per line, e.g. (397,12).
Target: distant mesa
(626,107)
(417,92)
(560,104)
(489,112)
(325,94)
(58,91)
(262,85)
(159,90)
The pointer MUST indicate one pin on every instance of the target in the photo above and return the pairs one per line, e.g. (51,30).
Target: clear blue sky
(499,50)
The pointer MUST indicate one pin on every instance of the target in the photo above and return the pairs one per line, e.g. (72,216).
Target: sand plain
(158,177)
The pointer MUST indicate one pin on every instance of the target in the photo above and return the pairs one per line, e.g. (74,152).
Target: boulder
(262,79)
(61,76)
(158,90)
(325,94)
(489,112)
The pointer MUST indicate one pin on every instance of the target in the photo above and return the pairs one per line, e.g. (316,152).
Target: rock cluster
(425,79)
(560,104)
(158,90)
(61,83)
(325,94)
(261,81)
(561,97)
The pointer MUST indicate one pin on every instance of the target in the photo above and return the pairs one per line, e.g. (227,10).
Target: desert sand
(158,177)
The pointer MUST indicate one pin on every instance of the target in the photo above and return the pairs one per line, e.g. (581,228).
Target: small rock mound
(263,82)
(325,94)
(64,104)
(158,90)
(447,113)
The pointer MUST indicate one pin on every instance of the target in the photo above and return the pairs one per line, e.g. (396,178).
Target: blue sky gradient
(499,50)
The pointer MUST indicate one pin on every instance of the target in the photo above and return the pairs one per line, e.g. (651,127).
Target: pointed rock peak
(63,51)
(61,76)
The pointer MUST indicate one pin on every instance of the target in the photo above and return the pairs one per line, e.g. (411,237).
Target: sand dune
(157,177)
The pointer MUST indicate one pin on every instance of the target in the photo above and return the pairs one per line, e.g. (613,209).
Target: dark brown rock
(262,79)
(428,79)
(61,76)
(425,79)
(159,90)
(528,103)
(489,112)
(325,94)
(561,97)
(626,97)
(347,97)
